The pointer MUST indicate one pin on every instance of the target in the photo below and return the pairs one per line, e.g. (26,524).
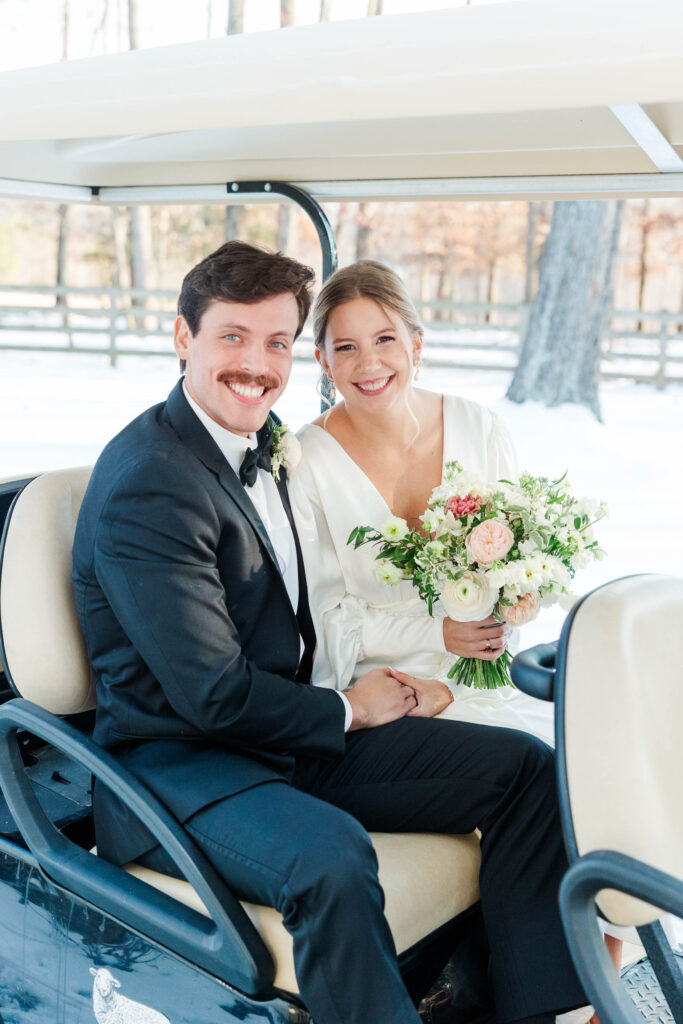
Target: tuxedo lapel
(303,612)
(192,432)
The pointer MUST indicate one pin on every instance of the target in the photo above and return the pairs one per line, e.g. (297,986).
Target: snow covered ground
(60,409)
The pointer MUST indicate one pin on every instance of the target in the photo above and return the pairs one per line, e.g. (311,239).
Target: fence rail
(641,345)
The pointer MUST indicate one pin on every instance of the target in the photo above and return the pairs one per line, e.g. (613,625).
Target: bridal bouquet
(505,549)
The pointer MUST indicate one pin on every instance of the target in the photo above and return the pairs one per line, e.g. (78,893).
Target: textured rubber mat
(642,985)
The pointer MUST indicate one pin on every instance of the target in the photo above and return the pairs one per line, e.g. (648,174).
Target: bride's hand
(432,696)
(486,639)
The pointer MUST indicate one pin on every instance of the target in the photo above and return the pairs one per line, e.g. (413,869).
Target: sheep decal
(112,1008)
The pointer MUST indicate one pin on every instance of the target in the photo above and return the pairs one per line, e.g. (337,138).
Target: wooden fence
(114,322)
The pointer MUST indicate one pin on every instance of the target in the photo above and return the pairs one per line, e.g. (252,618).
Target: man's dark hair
(239,272)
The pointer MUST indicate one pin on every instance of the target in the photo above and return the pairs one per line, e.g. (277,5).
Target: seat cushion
(427,880)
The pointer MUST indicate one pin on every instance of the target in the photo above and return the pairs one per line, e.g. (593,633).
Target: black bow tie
(257,458)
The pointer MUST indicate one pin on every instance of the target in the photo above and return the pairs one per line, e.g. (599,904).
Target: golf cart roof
(504,100)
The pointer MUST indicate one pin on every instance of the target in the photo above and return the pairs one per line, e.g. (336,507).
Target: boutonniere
(286,451)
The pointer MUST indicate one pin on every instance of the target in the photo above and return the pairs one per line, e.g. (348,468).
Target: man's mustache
(261,380)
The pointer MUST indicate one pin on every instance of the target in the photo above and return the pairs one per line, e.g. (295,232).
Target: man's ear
(182,336)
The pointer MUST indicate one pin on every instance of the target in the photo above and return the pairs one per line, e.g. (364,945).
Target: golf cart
(511,101)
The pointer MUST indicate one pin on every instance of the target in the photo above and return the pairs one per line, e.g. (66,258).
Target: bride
(380,452)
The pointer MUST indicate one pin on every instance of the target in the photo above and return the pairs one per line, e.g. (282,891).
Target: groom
(191,595)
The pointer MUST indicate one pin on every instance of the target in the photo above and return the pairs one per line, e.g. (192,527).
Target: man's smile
(252,394)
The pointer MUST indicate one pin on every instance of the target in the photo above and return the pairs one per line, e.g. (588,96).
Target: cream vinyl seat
(619,701)
(428,879)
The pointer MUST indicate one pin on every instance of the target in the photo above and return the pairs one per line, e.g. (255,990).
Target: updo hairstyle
(366,279)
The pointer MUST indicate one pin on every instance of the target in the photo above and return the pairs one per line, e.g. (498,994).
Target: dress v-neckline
(364,475)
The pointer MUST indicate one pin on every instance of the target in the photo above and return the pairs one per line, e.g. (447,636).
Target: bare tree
(133,31)
(234,215)
(138,219)
(235,23)
(63,211)
(287,13)
(284,222)
(560,357)
(325,10)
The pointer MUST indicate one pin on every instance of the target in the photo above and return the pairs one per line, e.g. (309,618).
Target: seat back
(42,646)
(620,711)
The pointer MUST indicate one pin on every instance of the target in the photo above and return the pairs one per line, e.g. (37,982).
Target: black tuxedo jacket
(192,637)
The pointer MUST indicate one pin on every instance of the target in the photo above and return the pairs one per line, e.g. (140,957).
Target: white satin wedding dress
(362,623)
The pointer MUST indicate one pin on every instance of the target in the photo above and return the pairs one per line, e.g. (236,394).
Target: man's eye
(231,337)
(278,344)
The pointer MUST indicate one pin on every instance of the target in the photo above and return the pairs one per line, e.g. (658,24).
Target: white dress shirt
(265,498)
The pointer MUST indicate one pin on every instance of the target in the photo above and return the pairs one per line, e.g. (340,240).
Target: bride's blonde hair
(366,279)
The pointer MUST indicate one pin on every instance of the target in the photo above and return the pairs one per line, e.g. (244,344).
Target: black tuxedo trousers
(303,848)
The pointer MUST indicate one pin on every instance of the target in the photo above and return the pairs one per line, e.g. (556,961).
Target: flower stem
(482,675)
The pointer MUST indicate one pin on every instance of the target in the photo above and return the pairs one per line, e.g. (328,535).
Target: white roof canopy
(506,100)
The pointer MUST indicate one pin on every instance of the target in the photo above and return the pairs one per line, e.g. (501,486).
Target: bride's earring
(417,364)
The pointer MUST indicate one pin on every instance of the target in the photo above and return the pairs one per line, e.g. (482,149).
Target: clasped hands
(384,695)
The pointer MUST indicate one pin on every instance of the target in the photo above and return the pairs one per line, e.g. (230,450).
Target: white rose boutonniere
(286,451)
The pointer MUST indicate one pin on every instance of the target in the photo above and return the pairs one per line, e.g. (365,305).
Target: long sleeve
(349,631)
(501,457)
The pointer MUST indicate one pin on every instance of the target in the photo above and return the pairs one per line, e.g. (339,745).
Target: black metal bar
(583,881)
(665,966)
(321,223)
(226,943)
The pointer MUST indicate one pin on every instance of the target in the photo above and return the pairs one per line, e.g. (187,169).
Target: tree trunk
(138,222)
(444,291)
(490,286)
(642,259)
(325,10)
(234,215)
(286,13)
(284,219)
(363,233)
(133,34)
(63,211)
(530,268)
(560,356)
(65,31)
(235,17)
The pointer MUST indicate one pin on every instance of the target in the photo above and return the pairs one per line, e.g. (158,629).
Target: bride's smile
(369,353)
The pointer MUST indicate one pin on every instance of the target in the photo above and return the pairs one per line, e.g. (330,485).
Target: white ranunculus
(387,572)
(394,528)
(433,520)
(470,598)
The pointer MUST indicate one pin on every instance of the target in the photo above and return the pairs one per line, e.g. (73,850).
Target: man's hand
(379,697)
(486,639)
(432,696)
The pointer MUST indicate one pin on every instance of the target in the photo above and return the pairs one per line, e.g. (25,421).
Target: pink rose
(459,507)
(489,541)
(525,610)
